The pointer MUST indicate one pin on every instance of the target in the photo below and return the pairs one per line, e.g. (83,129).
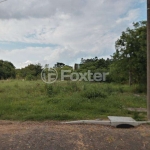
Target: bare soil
(51,135)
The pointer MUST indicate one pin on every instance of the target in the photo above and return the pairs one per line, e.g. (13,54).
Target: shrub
(93,93)
(30,77)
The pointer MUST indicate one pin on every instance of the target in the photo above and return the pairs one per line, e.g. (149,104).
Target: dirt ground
(56,136)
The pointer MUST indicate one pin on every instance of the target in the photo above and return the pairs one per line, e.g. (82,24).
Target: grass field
(35,100)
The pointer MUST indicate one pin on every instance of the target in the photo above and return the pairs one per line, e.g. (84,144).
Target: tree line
(126,65)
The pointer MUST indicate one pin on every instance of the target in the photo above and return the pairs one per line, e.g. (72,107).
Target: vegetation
(127,64)
(129,60)
(35,100)
(7,70)
(31,72)
(32,99)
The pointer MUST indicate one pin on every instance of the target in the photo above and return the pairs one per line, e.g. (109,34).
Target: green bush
(93,93)
(30,77)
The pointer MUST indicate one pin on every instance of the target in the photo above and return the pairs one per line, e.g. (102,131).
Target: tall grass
(35,100)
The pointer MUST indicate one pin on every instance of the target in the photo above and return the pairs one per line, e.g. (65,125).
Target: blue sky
(21,45)
(51,31)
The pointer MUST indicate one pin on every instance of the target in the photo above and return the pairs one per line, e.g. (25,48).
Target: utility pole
(148,59)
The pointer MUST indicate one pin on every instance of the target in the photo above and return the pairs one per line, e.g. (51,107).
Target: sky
(51,31)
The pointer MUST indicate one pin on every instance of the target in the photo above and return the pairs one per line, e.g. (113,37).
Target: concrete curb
(113,121)
(104,122)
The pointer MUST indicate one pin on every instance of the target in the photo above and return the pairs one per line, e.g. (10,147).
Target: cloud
(131,15)
(35,55)
(38,9)
(78,28)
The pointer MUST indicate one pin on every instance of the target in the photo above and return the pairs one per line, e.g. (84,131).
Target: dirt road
(55,136)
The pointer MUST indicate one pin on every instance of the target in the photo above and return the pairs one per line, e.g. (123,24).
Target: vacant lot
(55,136)
(35,100)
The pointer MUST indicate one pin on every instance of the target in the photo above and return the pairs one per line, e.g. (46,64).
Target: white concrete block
(115,121)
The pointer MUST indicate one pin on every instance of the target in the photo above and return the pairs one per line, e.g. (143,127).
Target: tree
(129,60)
(7,70)
(31,71)
(95,64)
